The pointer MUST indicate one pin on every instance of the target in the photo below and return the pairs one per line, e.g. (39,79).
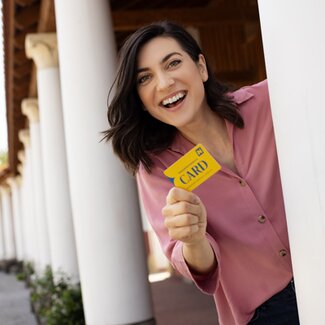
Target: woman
(229,235)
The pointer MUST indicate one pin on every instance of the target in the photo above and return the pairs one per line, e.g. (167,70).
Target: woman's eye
(174,63)
(143,79)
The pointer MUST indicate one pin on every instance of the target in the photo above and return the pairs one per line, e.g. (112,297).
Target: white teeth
(173,99)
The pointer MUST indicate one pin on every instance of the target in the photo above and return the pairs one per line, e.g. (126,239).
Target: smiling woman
(169,85)
(158,63)
(228,235)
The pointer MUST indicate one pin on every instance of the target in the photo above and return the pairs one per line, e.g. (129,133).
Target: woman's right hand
(185,216)
(186,221)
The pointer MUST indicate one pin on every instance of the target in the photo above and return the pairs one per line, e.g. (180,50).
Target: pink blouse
(246,218)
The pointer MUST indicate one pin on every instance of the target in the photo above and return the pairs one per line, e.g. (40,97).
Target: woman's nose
(164,81)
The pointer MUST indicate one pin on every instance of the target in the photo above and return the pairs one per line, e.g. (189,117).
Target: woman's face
(170,83)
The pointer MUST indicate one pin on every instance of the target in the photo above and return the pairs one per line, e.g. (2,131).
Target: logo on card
(194,168)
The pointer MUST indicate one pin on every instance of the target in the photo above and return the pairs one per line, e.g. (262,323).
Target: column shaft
(29,222)
(2,239)
(63,246)
(8,226)
(293,34)
(16,209)
(104,199)
(40,211)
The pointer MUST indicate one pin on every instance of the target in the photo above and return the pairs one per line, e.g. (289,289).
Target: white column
(2,239)
(8,225)
(28,204)
(15,187)
(104,200)
(29,108)
(293,38)
(21,180)
(157,261)
(42,48)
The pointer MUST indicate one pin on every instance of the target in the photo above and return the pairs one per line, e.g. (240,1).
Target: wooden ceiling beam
(33,83)
(21,119)
(27,17)
(9,32)
(46,21)
(46,24)
(22,70)
(237,75)
(201,16)
(17,108)
(20,93)
(19,40)
(20,57)
(24,3)
(21,82)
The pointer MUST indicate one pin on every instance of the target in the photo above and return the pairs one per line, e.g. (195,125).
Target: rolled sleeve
(207,283)
(153,190)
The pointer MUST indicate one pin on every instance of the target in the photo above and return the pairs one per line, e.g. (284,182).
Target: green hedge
(54,302)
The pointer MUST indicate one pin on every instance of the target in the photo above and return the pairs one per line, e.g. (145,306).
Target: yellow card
(194,168)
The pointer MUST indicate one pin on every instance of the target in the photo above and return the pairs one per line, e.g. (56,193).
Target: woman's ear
(203,68)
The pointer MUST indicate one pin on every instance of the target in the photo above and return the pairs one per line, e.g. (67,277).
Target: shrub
(57,302)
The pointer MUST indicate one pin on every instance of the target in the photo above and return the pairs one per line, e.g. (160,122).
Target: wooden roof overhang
(234,23)
(21,17)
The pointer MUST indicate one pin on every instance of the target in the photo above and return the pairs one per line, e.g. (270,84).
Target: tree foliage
(3,158)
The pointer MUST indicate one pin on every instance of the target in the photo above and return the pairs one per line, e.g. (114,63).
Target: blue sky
(3,120)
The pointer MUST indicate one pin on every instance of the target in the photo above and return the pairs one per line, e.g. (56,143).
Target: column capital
(19,179)
(21,156)
(20,168)
(43,49)
(11,181)
(4,189)
(29,107)
(14,181)
(24,137)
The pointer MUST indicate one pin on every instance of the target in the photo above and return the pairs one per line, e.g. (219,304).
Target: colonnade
(72,206)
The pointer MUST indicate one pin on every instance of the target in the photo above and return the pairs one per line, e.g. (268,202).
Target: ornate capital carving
(14,182)
(43,49)
(4,189)
(11,181)
(21,156)
(24,137)
(29,107)
(20,168)
(18,177)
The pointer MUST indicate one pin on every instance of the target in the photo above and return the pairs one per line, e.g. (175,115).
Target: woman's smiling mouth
(174,100)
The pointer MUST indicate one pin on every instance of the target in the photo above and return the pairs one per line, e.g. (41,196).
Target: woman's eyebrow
(168,56)
(164,59)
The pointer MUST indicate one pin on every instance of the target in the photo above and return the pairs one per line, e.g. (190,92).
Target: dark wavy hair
(133,131)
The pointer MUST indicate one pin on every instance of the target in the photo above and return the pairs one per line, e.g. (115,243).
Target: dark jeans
(281,309)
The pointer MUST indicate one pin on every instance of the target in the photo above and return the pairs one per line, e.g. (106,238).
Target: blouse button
(282,252)
(261,219)
(242,182)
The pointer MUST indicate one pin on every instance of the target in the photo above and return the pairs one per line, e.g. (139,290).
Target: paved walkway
(179,302)
(14,302)
(176,302)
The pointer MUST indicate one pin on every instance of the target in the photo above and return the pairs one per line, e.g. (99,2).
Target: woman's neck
(209,129)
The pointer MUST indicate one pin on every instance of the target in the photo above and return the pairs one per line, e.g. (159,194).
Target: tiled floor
(177,302)
(14,302)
